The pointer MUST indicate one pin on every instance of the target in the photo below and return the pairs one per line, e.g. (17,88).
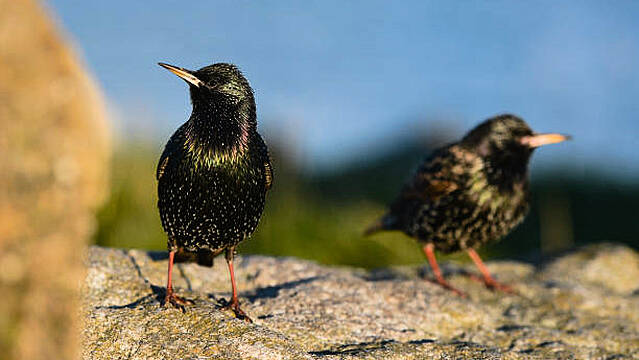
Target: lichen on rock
(303,310)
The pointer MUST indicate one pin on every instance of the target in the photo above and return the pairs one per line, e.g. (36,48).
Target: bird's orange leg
(234,304)
(488,280)
(429,251)
(170,297)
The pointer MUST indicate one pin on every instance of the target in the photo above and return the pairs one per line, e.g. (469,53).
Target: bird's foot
(443,283)
(493,284)
(235,307)
(176,301)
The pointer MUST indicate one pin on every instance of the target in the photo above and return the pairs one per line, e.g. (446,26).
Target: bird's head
(506,142)
(219,86)
(507,135)
(224,114)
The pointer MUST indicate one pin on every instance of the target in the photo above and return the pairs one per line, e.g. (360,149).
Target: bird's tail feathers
(386,222)
(203,258)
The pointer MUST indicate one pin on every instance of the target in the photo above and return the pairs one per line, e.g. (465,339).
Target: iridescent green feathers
(222,129)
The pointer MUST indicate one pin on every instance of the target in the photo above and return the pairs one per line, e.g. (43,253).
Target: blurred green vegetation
(321,216)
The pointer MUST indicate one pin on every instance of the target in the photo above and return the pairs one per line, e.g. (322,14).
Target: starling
(468,193)
(213,174)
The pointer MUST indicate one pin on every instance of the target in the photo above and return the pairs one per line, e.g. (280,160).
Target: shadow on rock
(158,255)
(271,292)
(383,275)
(357,348)
(155,298)
(353,349)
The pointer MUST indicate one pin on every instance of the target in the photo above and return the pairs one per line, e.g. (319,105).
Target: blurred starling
(469,193)
(213,174)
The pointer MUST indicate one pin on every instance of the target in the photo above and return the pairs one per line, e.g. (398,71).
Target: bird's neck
(216,136)
(507,173)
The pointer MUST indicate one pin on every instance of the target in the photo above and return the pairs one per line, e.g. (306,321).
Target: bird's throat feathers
(508,170)
(224,142)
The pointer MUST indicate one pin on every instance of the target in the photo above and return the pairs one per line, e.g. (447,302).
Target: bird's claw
(176,301)
(447,286)
(235,307)
(493,284)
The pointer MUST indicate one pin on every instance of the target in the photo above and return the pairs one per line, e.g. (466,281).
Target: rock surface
(581,305)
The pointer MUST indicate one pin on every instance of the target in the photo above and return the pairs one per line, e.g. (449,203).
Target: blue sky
(340,80)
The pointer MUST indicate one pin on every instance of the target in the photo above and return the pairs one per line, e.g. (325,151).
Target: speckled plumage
(209,205)
(470,192)
(215,170)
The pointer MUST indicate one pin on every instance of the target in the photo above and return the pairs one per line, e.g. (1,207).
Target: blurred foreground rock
(582,305)
(53,174)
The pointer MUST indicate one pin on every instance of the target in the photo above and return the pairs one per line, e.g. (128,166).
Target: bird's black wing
(164,159)
(174,144)
(266,158)
(431,183)
(435,178)
(268,170)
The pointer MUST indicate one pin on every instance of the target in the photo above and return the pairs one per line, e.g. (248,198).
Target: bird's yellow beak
(543,139)
(185,74)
